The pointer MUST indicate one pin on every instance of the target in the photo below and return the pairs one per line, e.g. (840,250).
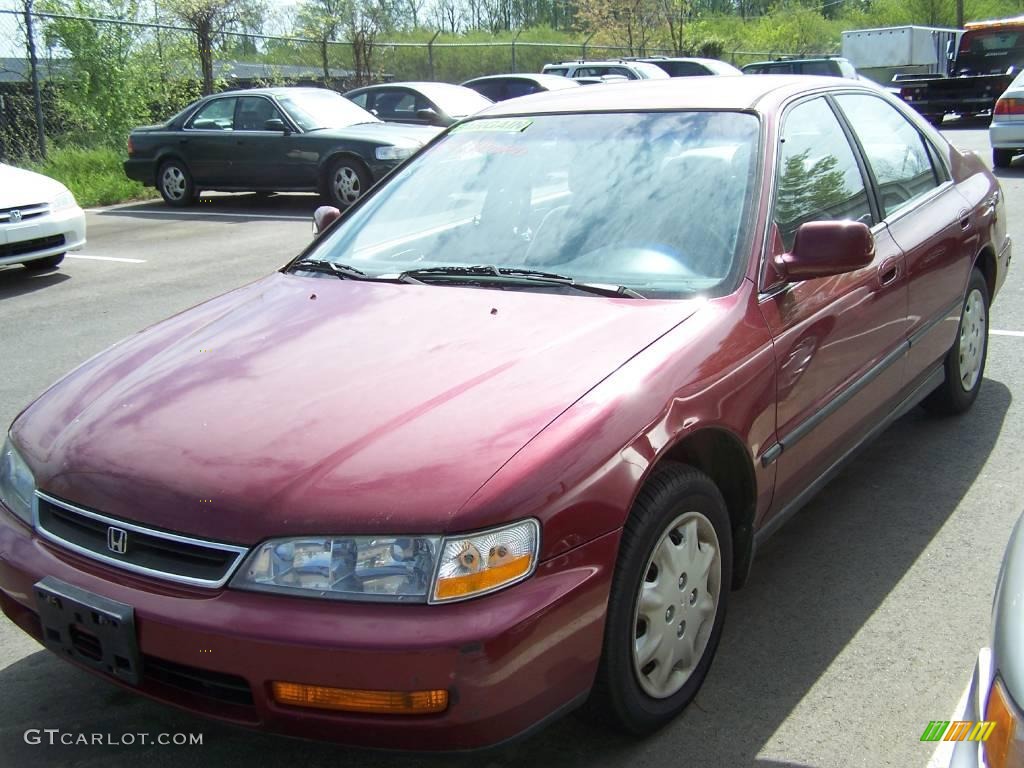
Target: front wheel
(175,183)
(965,361)
(50,262)
(346,181)
(1001,158)
(667,603)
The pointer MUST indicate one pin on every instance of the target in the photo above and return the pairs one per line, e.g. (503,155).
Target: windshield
(315,109)
(657,202)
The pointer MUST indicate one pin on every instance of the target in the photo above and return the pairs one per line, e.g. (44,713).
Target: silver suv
(631,70)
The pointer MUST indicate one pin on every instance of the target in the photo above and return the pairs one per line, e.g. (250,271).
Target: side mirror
(825,248)
(323,217)
(429,116)
(276,124)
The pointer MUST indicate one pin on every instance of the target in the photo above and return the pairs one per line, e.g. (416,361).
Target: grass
(94,176)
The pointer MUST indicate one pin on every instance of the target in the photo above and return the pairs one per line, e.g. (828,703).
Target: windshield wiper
(342,271)
(522,275)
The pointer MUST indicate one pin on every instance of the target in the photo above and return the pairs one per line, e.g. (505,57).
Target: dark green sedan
(270,140)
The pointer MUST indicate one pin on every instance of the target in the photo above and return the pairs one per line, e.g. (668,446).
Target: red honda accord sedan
(503,439)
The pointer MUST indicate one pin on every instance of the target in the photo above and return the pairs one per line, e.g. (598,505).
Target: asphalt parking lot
(860,624)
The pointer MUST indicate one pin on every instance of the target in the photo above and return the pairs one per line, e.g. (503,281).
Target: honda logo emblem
(117,540)
(15,216)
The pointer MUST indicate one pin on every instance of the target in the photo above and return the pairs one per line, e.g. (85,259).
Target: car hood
(21,187)
(302,405)
(384,133)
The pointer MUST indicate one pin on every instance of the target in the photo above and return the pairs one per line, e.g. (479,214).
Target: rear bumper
(508,660)
(39,237)
(1007,135)
(141,171)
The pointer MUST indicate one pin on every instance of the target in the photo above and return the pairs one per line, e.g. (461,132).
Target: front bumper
(508,660)
(971,754)
(42,236)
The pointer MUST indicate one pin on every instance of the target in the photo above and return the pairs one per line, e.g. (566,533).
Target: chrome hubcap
(173,182)
(972,340)
(346,185)
(676,605)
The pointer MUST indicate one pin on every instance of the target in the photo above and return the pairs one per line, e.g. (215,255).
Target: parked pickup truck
(990,54)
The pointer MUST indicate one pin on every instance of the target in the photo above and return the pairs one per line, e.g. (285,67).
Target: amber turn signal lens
(481,581)
(1005,747)
(351,700)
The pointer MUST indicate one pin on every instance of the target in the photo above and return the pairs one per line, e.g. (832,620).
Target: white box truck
(884,53)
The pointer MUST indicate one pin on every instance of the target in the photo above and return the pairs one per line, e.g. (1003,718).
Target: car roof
(281,90)
(762,93)
(550,81)
(794,61)
(424,86)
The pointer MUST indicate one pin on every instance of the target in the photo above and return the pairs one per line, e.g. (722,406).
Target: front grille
(31,246)
(218,686)
(134,547)
(16,213)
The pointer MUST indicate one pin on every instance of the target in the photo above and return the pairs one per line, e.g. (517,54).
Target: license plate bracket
(89,628)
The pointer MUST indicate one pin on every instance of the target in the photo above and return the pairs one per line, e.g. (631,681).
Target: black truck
(990,55)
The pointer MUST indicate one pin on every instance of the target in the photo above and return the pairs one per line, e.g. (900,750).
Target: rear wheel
(965,362)
(1001,158)
(667,602)
(175,184)
(50,262)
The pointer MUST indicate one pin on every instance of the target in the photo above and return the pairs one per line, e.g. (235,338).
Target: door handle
(889,271)
(965,220)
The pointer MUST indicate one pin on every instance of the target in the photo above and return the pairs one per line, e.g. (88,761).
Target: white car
(1007,129)
(39,219)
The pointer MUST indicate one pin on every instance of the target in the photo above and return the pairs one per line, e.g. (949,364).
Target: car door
(264,158)
(207,142)
(839,341)
(926,215)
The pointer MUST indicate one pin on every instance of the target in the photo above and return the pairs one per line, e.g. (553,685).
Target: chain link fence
(99,77)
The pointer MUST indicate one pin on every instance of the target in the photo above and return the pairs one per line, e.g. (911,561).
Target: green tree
(209,20)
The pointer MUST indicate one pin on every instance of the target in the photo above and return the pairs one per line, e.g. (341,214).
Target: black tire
(40,265)
(175,184)
(1002,158)
(619,697)
(953,396)
(345,181)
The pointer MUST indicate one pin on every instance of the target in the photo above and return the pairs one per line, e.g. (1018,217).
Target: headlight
(393,568)
(1005,747)
(481,563)
(64,200)
(16,482)
(394,153)
(347,567)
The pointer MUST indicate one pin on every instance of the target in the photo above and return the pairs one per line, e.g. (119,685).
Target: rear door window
(218,115)
(895,150)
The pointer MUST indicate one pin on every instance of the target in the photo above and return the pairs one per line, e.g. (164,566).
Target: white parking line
(105,258)
(1005,333)
(944,752)
(198,213)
